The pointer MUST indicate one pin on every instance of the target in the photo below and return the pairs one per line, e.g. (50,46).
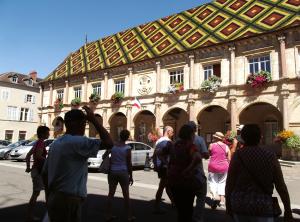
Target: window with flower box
(257,64)
(212,70)
(77,92)
(176,76)
(120,86)
(60,94)
(97,89)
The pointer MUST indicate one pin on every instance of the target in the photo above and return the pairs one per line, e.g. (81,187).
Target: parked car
(5,151)
(19,153)
(4,143)
(138,155)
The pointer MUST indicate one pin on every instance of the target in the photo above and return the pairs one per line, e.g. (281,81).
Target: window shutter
(25,98)
(33,99)
(30,116)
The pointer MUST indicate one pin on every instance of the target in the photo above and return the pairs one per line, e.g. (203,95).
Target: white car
(19,153)
(138,155)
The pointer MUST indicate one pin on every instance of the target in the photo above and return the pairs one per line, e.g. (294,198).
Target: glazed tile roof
(212,23)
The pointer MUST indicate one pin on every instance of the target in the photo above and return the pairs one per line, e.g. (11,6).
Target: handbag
(105,165)
(267,203)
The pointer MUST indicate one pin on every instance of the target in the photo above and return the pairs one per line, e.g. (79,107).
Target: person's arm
(228,153)
(234,145)
(129,166)
(28,157)
(209,149)
(282,190)
(106,140)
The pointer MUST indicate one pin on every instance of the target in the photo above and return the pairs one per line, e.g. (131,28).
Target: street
(16,188)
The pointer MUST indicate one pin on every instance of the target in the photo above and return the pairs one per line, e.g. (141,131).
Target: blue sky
(39,34)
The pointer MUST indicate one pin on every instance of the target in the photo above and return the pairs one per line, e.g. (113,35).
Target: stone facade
(274,107)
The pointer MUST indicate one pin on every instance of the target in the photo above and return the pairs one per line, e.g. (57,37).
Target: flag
(137,103)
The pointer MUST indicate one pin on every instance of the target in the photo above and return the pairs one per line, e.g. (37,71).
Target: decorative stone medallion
(145,85)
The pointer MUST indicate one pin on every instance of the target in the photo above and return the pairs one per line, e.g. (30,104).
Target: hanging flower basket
(176,88)
(259,79)
(154,135)
(211,85)
(117,97)
(94,97)
(75,103)
(58,104)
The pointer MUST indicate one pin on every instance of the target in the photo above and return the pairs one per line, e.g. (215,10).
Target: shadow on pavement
(94,210)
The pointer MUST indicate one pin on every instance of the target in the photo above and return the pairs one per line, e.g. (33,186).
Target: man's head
(251,134)
(193,125)
(168,132)
(124,135)
(43,132)
(75,121)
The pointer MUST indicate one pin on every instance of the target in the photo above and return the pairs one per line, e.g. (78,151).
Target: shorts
(37,180)
(120,177)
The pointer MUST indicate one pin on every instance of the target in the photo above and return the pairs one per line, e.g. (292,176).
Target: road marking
(100,178)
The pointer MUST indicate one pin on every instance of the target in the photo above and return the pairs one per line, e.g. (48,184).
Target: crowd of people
(240,179)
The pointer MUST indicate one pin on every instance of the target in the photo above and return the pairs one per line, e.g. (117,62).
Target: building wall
(17,99)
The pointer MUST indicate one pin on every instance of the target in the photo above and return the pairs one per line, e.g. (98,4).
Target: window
(9,135)
(22,135)
(139,146)
(210,70)
(14,79)
(120,86)
(30,82)
(26,114)
(29,98)
(60,94)
(77,92)
(4,94)
(258,64)
(12,113)
(97,89)
(176,76)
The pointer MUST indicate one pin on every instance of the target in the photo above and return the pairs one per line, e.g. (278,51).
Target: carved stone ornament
(145,85)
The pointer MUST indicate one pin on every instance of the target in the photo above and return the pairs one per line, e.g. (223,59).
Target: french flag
(137,103)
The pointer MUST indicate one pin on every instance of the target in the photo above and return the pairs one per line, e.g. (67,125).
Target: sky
(39,34)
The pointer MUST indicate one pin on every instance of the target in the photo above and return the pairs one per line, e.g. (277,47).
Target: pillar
(105,120)
(66,96)
(233,113)
(281,40)
(158,77)
(285,106)
(130,127)
(85,96)
(130,82)
(105,85)
(191,79)
(51,95)
(42,96)
(232,65)
(158,120)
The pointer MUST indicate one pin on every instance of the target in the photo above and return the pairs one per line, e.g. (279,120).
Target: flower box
(211,85)
(176,88)
(117,97)
(290,145)
(259,79)
(58,104)
(94,97)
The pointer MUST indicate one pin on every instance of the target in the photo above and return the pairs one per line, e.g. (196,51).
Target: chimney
(33,75)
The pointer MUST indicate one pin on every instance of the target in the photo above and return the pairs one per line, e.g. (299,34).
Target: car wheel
(6,156)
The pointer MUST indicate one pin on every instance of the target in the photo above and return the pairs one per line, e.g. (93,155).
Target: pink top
(218,162)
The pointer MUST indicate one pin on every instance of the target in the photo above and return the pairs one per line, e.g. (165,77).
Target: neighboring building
(19,95)
(225,38)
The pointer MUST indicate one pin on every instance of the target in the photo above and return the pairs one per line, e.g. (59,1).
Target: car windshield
(13,145)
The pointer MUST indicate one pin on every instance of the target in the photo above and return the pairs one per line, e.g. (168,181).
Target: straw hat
(219,135)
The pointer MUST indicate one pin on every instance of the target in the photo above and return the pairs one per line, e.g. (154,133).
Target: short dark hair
(186,132)
(251,134)
(41,131)
(124,135)
(74,117)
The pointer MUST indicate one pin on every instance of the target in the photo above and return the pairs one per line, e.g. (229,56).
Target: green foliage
(211,84)
(76,102)
(293,142)
(94,97)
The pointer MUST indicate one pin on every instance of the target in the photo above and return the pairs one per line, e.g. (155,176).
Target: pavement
(15,191)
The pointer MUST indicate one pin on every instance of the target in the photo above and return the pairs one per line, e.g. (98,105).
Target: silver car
(19,153)
(138,155)
(4,151)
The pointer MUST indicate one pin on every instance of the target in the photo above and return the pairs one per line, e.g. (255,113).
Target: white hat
(240,127)
(219,135)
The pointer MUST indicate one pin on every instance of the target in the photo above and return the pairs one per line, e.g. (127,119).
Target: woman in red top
(184,159)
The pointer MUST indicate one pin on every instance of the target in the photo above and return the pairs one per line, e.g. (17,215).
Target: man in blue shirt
(66,166)
(201,194)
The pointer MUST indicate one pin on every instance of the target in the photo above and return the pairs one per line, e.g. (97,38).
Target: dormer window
(30,82)
(14,79)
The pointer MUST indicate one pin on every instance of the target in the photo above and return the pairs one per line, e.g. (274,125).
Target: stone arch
(117,122)
(211,119)
(175,117)
(144,122)
(269,119)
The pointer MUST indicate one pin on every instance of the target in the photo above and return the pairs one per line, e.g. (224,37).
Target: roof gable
(216,22)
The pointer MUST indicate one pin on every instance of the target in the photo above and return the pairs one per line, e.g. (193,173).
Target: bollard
(147,163)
